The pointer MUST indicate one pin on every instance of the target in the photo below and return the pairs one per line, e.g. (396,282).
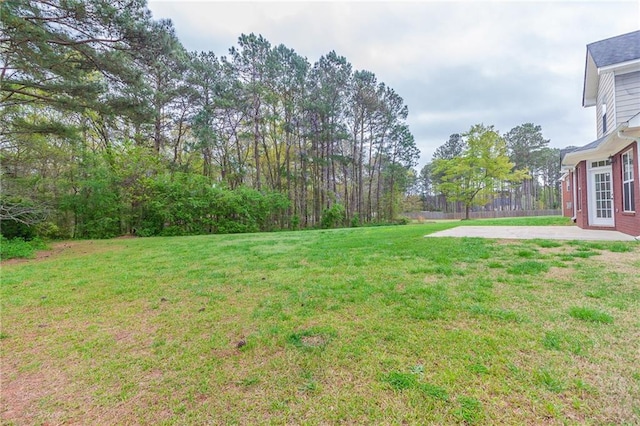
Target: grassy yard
(365,325)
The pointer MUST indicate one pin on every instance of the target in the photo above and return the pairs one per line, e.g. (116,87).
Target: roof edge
(612,37)
(619,65)
(606,146)
(590,81)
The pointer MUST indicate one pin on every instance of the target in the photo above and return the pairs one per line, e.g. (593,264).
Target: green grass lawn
(365,325)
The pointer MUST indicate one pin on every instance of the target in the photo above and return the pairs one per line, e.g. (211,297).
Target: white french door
(600,197)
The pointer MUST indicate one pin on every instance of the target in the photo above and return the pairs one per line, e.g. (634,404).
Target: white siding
(605,96)
(627,96)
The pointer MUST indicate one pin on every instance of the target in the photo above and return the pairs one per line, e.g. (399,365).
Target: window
(628,202)
(604,119)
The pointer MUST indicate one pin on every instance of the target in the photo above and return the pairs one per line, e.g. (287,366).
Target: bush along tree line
(109,126)
(481,169)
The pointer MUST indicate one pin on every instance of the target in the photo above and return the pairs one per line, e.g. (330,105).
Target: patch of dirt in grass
(223,353)
(304,262)
(562,274)
(430,279)
(553,250)
(124,337)
(314,341)
(612,393)
(508,242)
(620,262)
(57,249)
(21,392)
(49,396)
(126,237)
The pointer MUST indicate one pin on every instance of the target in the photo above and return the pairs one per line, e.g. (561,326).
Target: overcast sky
(455,63)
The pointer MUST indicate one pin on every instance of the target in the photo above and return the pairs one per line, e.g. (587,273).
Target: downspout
(575,195)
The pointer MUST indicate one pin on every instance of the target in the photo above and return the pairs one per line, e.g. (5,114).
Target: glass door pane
(603,195)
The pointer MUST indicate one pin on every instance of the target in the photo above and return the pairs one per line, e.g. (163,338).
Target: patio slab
(533,232)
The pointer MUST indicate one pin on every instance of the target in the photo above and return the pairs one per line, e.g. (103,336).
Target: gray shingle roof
(591,145)
(615,50)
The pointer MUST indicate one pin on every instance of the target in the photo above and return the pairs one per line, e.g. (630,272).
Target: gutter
(621,134)
(572,158)
(574,219)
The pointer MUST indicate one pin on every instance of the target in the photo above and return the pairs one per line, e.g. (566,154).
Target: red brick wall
(629,223)
(582,217)
(567,196)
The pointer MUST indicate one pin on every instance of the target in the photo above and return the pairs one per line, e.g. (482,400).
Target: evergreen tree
(526,145)
(105,116)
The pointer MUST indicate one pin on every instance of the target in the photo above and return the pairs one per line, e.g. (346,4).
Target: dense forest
(109,126)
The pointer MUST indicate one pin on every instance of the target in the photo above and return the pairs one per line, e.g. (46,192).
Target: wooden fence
(484,214)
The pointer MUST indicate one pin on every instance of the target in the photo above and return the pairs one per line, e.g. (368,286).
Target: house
(601,180)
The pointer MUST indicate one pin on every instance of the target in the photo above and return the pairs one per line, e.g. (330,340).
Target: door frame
(596,167)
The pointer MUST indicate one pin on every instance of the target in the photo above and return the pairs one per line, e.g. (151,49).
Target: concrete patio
(533,232)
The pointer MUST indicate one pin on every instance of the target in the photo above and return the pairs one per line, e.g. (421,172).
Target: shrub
(295,222)
(13,229)
(101,227)
(49,230)
(183,204)
(403,220)
(333,216)
(19,248)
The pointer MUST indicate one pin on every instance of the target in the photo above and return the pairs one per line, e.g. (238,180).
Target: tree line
(481,169)
(110,126)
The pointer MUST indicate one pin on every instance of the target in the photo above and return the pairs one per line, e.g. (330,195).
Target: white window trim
(632,180)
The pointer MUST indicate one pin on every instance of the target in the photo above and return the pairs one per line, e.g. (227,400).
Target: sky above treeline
(455,63)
